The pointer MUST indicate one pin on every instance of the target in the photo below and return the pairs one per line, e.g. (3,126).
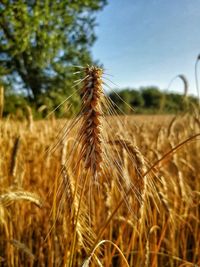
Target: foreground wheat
(171,237)
(91,139)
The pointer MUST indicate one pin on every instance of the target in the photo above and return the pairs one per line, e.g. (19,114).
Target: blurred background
(150,49)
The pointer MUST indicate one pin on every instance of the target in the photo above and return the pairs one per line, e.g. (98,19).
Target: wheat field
(130,196)
(170,232)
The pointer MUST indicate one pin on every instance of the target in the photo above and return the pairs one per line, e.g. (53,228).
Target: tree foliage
(39,40)
(152,97)
(150,100)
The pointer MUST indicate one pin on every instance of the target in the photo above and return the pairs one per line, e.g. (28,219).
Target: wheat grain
(91,139)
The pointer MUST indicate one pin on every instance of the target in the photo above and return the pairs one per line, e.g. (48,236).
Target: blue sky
(148,42)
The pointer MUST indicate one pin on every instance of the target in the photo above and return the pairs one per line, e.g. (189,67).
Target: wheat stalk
(196,78)
(29,118)
(1,101)
(13,161)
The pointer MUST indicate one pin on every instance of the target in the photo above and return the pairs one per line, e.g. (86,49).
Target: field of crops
(99,166)
(141,208)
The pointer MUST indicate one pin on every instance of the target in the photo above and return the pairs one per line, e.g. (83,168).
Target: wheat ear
(185,84)
(91,95)
(8,198)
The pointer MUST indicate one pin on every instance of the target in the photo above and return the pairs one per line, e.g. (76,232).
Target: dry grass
(133,197)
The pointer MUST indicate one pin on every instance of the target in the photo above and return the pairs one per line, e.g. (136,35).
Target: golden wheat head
(91,96)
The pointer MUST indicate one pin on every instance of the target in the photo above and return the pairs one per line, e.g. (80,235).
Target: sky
(149,42)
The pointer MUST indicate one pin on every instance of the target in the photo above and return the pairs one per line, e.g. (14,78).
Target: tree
(137,99)
(174,102)
(39,40)
(122,101)
(152,97)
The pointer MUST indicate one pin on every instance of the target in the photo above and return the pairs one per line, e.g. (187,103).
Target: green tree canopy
(150,100)
(39,40)
(122,97)
(152,97)
(136,99)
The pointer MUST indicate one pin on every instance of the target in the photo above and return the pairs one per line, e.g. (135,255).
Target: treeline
(146,100)
(150,100)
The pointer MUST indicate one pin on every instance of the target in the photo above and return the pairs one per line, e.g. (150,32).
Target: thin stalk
(196,78)
(76,222)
